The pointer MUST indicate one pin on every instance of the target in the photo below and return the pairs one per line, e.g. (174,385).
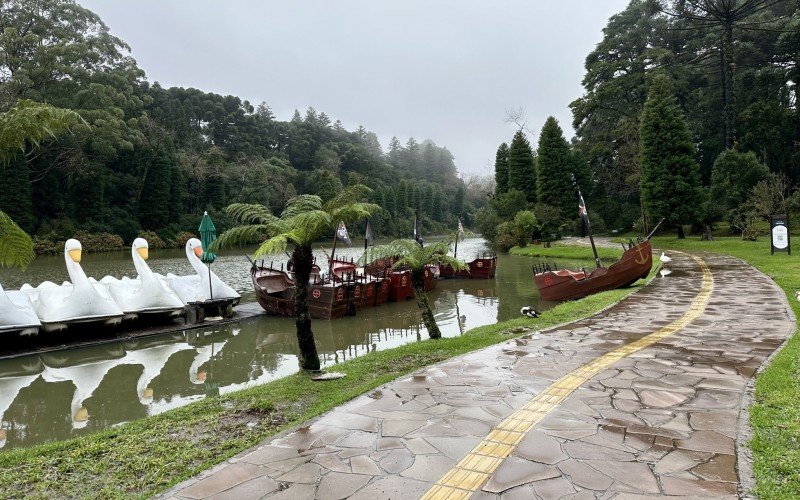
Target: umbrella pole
(210,293)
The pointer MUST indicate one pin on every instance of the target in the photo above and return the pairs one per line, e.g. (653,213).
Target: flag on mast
(460,227)
(341,234)
(368,238)
(582,207)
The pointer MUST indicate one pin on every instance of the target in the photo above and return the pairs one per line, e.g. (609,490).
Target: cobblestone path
(641,400)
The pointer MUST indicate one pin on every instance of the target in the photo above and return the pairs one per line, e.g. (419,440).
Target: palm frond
(16,247)
(32,121)
(310,225)
(240,235)
(275,245)
(348,195)
(411,255)
(250,213)
(354,211)
(301,203)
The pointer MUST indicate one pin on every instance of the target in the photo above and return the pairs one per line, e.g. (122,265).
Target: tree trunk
(303,261)
(418,280)
(681,234)
(706,233)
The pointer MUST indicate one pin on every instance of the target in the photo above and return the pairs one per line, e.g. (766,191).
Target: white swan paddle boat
(145,294)
(195,287)
(17,313)
(80,301)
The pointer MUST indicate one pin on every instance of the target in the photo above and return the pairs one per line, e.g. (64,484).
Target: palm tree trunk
(418,280)
(303,261)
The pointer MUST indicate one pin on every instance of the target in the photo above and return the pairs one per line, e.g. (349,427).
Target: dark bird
(529,312)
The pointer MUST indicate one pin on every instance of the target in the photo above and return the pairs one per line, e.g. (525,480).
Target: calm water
(62,394)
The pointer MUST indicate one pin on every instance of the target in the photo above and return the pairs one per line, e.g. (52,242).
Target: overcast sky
(441,70)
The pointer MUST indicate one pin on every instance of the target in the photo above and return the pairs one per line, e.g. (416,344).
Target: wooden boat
(482,268)
(564,284)
(327,299)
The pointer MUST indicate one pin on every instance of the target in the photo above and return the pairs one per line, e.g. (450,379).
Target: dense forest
(690,114)
(147,158)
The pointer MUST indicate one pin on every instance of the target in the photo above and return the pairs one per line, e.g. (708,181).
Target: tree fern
(32,121)
(16,247)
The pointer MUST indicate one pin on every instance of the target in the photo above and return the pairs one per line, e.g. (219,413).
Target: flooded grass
(147,456)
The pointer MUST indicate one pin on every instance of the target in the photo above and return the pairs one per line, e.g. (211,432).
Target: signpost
(779,234)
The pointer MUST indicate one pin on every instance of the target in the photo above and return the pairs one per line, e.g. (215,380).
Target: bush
(153,240)
(182,238)
(99,242)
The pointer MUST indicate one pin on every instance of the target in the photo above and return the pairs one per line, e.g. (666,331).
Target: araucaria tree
(521,170)
(554,168)
(670,183)
(411,255)
(501,169)
(304,220)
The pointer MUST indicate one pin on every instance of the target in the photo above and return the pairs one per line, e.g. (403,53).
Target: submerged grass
(147,456)
(775,415)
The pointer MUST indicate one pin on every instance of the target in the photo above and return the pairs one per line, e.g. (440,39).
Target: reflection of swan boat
(146,294)
(17,313)
(204,354)
(80,301)
(202,286)
(12,382)
(153,359)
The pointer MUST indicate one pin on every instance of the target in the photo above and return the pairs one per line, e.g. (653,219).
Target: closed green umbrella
(208,233)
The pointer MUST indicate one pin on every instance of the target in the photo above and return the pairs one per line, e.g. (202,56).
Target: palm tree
(413,256)
(304,220)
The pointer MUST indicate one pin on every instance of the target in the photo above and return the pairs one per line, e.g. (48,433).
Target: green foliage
(521,169)
(552,224)
(501,169)
(526,224)
(30,121)
(670,175)
(733,177)
(99,242)
(16,247)
(555,165)
(154,241)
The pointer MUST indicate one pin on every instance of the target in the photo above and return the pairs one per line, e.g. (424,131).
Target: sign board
(779,234)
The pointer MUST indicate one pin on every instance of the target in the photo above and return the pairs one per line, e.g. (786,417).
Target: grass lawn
(775,416)
(561,251)
(147,456)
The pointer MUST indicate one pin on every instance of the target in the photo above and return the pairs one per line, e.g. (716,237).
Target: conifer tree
(670,183)
(521,170)
(501,169)
(554,168)
(15,191)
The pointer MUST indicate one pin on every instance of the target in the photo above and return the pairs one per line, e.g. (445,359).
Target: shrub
(182,238)
(99,242)
(153,240)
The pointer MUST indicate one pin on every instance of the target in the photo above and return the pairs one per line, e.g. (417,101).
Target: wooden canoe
(565,284)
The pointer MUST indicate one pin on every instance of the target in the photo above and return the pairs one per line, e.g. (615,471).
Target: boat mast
(585,215)
(455,250)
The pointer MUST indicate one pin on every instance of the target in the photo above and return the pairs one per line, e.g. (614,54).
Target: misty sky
(443,70)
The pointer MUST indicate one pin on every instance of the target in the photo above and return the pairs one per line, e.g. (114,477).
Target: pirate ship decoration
(565,284)
(482,267)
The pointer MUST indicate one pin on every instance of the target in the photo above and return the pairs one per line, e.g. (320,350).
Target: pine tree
(15,191)
(670,183)
(395,151)
(402,196)
(501,169)
(154,205)
(554,168)
(391,201)
(521,170)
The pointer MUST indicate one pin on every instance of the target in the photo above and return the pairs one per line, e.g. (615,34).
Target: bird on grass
(529,312)
(665,259)
(797,295)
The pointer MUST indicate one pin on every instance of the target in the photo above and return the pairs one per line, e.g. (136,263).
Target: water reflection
(73,392)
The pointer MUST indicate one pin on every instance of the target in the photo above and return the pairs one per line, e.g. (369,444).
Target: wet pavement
(643,399)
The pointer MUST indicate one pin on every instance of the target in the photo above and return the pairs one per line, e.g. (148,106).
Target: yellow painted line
(468,475)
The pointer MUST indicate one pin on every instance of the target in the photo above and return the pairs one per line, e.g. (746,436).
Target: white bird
(529,312)
(664,272)
(665,259)
(797,295)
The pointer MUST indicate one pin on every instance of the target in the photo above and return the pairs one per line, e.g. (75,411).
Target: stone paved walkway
(641,400)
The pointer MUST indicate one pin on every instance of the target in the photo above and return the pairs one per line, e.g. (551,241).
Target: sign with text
(779,234)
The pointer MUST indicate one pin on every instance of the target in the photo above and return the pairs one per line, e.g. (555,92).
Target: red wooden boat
(275,290)
(401,287)
(482,267)
(557,285)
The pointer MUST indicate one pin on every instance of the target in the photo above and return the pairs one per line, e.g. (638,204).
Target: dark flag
(341,234)
(417,234)
(368,238)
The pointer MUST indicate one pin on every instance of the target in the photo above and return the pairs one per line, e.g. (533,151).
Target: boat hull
(483,268)
(634,265)
(275,293)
